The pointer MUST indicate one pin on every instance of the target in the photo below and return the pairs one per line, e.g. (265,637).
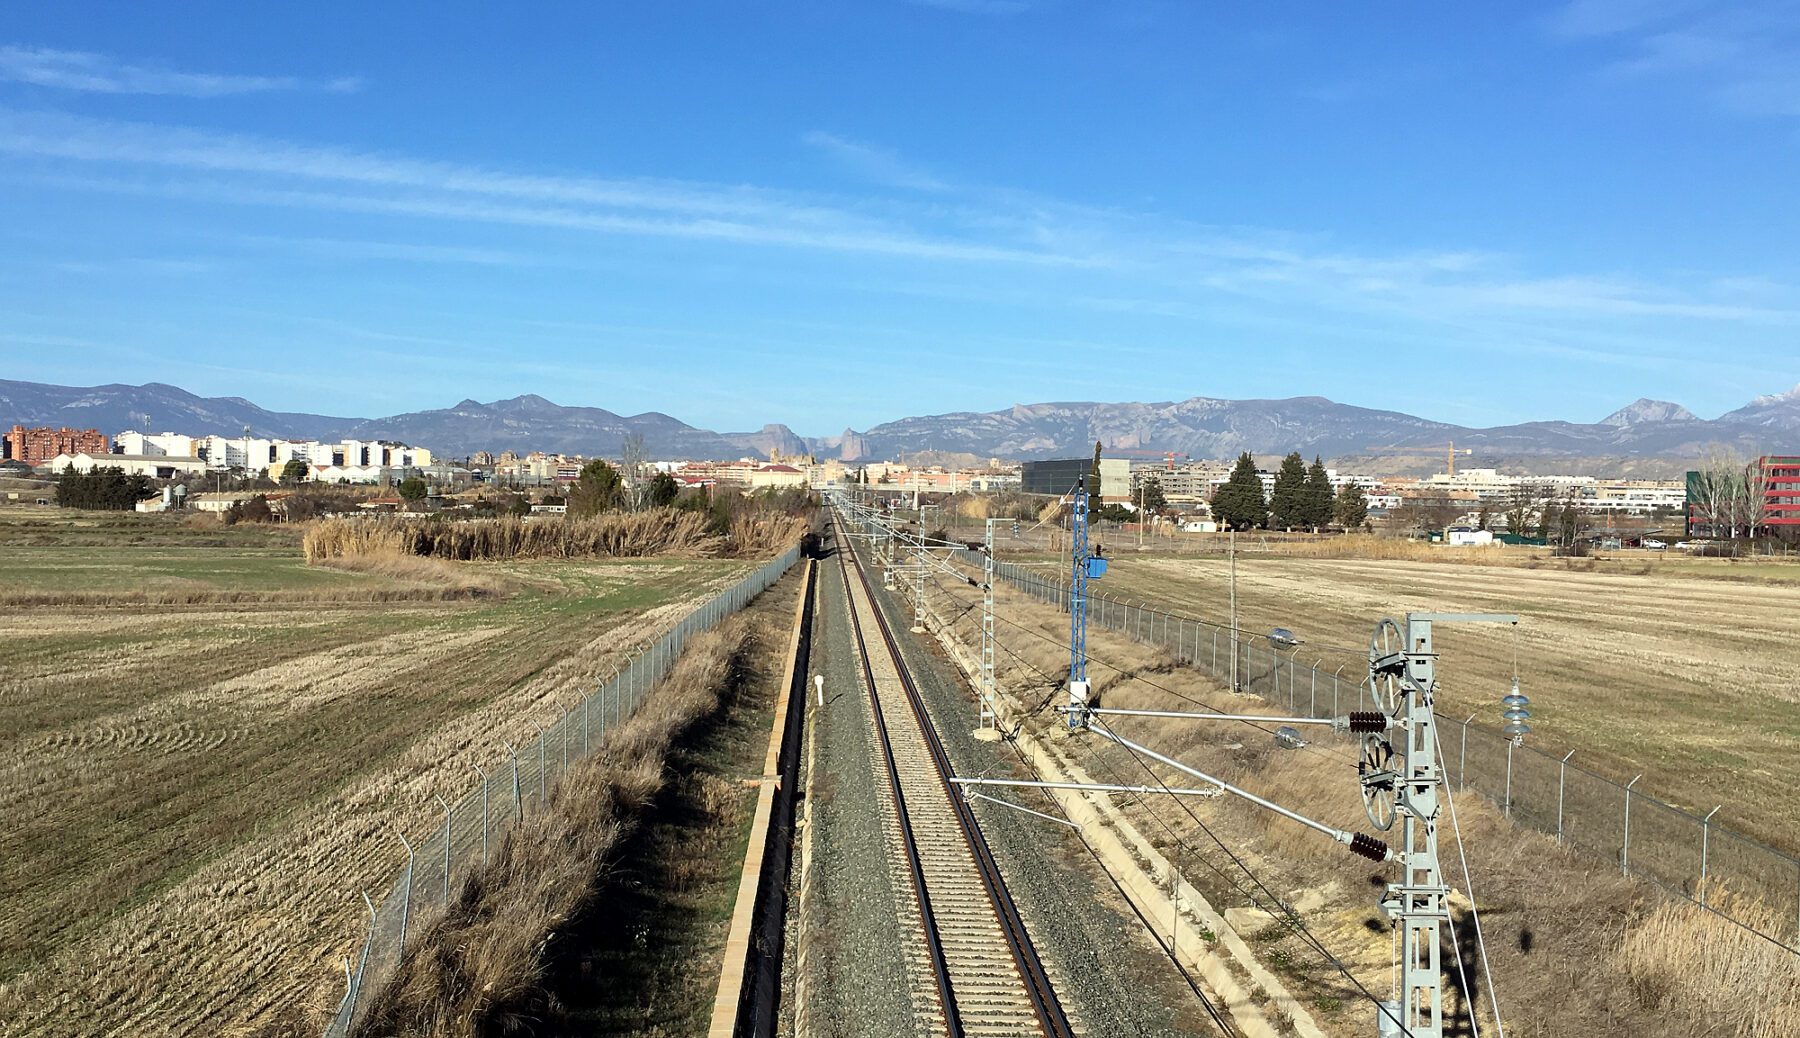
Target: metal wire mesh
(518,783)
(1748,882)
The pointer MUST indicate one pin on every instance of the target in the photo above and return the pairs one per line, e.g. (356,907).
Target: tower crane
(1450,449)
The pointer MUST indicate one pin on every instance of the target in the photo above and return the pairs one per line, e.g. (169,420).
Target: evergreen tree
(1093,481)
(1288,502)
(1318,494)
(1351,509)
(1151,497)
(1239,502)
(107,489)
(598,488)
(663,490)
(1550,519)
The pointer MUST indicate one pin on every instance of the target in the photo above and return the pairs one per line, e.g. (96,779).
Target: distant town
(1165,490)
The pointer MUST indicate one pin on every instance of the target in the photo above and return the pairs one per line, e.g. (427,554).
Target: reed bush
(656,531)
(1721,977)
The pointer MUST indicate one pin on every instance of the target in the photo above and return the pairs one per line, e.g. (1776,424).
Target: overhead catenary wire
(1298,925)
(1295,923)
(1224,1025)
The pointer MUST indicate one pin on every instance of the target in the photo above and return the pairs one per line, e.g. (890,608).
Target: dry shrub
(479,969)
(659,531)
(1684,958)
(757,534)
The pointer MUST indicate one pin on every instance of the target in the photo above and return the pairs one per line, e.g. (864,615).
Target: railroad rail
(985,975)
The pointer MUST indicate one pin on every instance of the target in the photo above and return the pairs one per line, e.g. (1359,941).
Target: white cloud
(1744,56)
(1138,263)
(878,165)
(97,73)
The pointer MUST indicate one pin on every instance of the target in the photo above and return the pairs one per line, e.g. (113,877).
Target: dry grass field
(1688,674)
(199,779)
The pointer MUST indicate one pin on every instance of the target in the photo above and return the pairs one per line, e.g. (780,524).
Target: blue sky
(838,212)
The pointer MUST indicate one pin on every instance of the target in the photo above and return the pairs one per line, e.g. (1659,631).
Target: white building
(156,445)
(154,466)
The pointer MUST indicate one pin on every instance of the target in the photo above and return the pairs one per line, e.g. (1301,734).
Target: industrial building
(35,446)
(154,466)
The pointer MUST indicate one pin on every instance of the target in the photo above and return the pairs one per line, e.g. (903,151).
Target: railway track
(984,977)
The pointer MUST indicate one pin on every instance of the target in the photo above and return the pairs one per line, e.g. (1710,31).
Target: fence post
(1334,688)
(1625,852)
(362,963)
(1462,766)
(448,831)
(1313,709)
(405,898)
(586,746)
(518,800)
(1705,839)
(543,772)
(1562,774)
(484,812)
(1215,654)
(565,735)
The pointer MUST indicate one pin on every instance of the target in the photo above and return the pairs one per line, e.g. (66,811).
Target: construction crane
(1450,452)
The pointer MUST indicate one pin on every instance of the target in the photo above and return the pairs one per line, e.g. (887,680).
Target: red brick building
(36,446)
(1781,492)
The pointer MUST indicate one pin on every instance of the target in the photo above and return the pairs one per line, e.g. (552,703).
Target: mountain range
(1199,427)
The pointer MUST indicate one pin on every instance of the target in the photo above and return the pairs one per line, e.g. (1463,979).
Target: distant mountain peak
(1644,409)
(1791,396)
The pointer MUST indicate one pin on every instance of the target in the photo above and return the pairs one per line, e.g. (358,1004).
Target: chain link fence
(509,788)
(1685,854)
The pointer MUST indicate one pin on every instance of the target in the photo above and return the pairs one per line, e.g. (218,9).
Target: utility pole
(1406,676)
(1232,551)
(1140,511)
(988,689)
(1082,567)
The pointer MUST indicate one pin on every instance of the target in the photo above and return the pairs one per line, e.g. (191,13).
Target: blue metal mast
(1081,567)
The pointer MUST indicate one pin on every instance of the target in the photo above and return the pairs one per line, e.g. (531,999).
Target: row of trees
(1302,497)
(103,489)
(1731,494)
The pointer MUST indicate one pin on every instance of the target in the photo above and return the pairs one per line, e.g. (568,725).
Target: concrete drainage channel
(750,976)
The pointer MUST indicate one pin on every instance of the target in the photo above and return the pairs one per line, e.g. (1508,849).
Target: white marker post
(819,687)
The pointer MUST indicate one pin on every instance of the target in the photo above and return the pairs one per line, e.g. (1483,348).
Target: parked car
(1653,544)
(1698,545)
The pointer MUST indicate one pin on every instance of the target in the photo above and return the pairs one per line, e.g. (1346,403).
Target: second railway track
(984,977)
